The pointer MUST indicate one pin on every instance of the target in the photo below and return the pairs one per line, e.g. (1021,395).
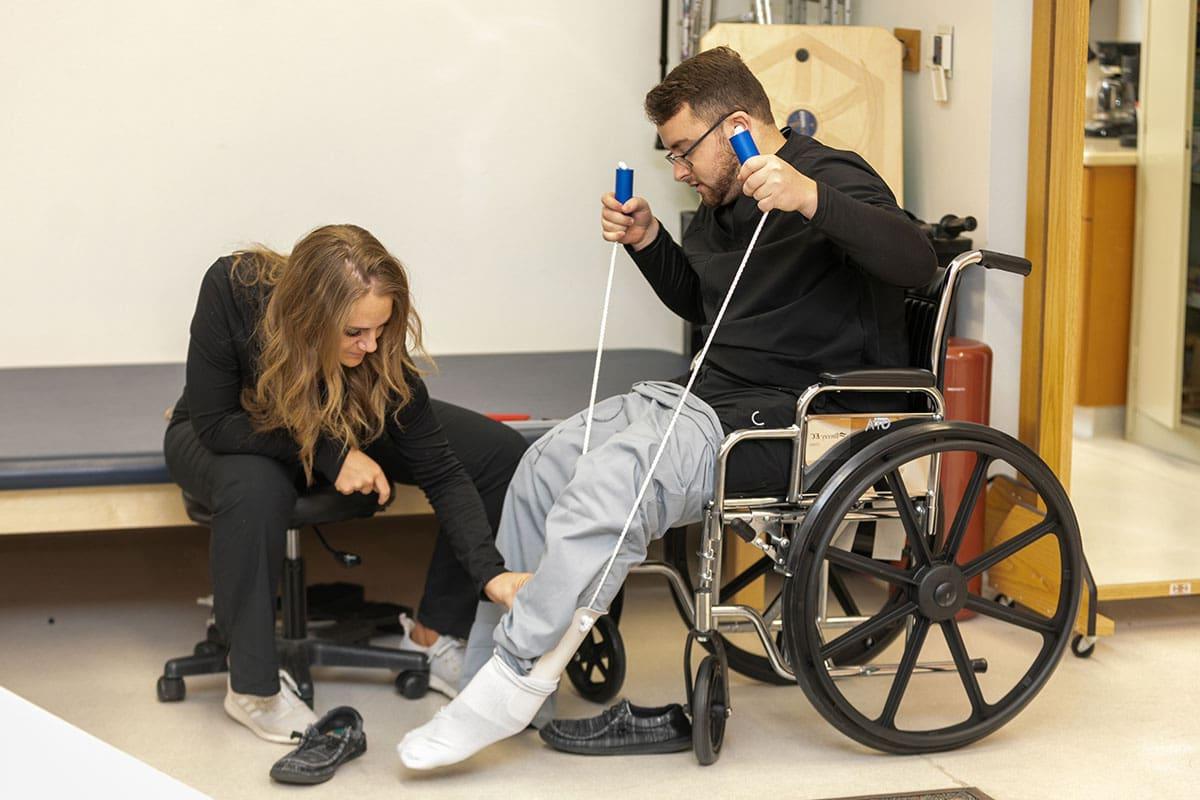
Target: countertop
(1107,153)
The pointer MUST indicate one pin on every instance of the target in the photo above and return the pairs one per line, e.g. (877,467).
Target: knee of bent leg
(252,482)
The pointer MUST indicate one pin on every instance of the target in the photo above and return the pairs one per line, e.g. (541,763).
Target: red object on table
(508,417)
(968,392)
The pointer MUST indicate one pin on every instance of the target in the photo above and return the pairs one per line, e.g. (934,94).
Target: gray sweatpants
(563,514)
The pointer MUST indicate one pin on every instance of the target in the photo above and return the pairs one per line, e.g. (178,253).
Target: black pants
(251,498)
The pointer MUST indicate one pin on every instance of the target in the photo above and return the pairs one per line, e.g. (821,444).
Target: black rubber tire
(709,702)
(597,669)
(1078,649)
(865,469)
(170,690)
(413,684)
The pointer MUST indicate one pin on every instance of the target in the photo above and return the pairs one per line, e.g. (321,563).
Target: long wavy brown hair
(302,386)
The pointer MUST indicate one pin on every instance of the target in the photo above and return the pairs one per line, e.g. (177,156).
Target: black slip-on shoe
(624,729)
(325,745)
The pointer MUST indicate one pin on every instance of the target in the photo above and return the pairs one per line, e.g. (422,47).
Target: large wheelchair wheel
(950,706)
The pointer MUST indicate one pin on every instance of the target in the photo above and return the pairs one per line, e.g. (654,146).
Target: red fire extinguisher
(968,391)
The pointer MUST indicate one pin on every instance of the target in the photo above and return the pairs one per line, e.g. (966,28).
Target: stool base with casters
(298,650)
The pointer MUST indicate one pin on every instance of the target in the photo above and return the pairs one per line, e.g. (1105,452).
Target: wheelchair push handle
(1005,262)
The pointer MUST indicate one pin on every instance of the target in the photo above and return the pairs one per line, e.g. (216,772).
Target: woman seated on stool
(300,372)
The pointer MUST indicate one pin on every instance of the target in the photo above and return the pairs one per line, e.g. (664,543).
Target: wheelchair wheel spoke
(866,629)
(1008,548)
(1013,616)
(868,566)
(587,650)
(912,651)
(965,671)
(966,508)
(845,600)
(913,529)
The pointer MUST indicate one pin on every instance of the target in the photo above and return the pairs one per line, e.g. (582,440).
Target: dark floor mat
(970,793)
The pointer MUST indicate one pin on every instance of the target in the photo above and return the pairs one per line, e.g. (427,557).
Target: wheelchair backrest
(920,320)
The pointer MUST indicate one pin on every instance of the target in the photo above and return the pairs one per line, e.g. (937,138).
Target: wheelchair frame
(710,617)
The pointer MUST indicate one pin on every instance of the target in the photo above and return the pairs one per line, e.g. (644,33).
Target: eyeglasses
(682,158)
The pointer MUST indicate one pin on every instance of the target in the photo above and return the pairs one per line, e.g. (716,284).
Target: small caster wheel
(1083,646)
(208,648)
(170,690)
(413,685)
(1005,600)
(710,709)
(597,670)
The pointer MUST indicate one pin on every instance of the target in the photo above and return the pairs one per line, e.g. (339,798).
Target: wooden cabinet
(1108,222)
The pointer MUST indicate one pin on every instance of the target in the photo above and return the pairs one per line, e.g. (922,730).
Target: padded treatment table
(81,447)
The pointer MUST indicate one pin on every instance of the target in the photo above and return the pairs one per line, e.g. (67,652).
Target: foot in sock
(496,704)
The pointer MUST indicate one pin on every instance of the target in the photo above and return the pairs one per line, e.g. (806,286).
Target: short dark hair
(713,83)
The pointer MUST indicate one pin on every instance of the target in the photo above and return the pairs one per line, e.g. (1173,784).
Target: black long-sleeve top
(817,294)
(221,361)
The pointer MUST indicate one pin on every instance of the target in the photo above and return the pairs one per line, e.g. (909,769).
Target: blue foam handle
(624,189)
(743,145)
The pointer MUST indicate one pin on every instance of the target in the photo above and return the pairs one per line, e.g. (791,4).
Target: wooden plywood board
(106,508)
(1031,575)
(738,557)
(849,84)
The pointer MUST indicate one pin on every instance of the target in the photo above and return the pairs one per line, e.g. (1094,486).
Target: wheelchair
(863,556)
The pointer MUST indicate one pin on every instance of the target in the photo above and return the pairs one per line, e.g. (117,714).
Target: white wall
(969,156)
(141,140)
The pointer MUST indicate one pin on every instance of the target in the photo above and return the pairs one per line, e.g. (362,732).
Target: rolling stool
(298,651)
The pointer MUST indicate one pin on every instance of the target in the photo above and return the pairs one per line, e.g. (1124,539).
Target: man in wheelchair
(823,290)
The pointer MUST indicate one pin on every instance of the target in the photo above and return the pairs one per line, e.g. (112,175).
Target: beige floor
(1137,512)
(1119,725)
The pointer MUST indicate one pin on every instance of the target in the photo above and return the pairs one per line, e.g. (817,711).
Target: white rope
(737,276)
(587,430)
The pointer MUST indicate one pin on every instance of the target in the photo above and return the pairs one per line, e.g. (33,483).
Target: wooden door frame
(1053,227)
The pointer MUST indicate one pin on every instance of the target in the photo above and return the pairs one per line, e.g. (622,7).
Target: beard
(713,193)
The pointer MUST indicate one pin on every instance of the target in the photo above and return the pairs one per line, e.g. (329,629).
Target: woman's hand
(360,473)
(503,588)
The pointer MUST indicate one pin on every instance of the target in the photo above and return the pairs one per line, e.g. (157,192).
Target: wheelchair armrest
(898,377)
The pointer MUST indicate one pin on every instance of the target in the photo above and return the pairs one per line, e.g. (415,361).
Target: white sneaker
(445,658)
(272,718)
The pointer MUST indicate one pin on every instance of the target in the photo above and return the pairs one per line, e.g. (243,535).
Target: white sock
(496,704)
